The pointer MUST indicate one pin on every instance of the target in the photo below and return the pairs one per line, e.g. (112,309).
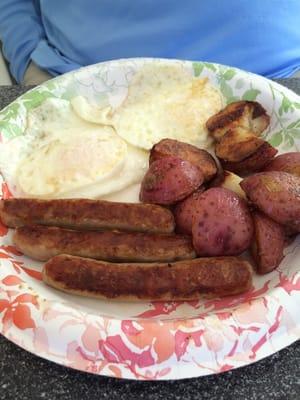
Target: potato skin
(277,194)
(222,224)
(170,180)
(268,244)
(184,212)
(254,163)
(174,148)
(288,162)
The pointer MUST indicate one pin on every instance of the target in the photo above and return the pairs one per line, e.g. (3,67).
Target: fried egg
(163,101)
(68,156)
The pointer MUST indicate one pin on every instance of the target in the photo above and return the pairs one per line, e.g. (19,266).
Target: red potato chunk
(268,245)
(170,180)
(288,162)
(222,224)
(174,148)
(254,163)
(289,232)
(276,194)
(184,212)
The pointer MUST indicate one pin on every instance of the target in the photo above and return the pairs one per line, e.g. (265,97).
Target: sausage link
(182,280)
(43,242)
(87,214)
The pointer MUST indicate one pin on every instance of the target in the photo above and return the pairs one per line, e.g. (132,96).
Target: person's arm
(20,31)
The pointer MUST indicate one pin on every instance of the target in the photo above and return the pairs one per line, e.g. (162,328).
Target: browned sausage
(87,214)
(43,242)
(183,280)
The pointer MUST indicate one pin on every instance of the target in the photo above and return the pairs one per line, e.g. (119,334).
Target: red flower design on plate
(160,337)
(3,229)
(6,193)
(151,335)
(115,350)
(160,308)
(17,311)
(289,284)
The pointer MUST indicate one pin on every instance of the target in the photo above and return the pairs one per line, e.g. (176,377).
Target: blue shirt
(261,36)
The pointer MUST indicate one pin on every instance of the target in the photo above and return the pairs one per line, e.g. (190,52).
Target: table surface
(26,376)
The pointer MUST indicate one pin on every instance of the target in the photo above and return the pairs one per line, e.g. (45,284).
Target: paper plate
(151,340)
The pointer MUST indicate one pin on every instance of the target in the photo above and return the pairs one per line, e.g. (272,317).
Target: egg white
(163,101)
(166,102)
(67,156)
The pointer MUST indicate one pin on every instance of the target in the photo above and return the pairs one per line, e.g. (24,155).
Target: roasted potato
(288,162)
(222,224)
(170,180)
(173,148)
(184,211)
(254,163)
(268,244)
(229,180)
(289,231)
(277,194)
(237,128)
(249,115)
(237,144)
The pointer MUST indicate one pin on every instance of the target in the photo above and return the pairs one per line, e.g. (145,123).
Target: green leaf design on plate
(251,94)
(286,136)
(34,98)
(69,93)
(232,99)
(276,139)
(10,130)
(229,74)
(295,124)
(210,66)
(295,133)
(198,68)
(289,142)
(50,85)
(286,105)
(239,83)
(10,113)
(226,91)
(293,129)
